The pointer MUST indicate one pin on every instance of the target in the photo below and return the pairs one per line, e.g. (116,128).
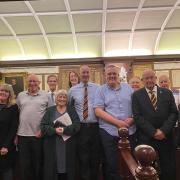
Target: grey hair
(61,92)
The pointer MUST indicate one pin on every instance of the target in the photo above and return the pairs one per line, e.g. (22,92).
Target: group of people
(60,133)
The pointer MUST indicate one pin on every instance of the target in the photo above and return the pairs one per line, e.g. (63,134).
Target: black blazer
(147,119)
(9,118)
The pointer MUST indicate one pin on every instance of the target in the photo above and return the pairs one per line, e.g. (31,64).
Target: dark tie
(52,97)
(85,103)
(153,99)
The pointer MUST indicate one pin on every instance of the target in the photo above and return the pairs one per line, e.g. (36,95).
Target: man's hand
(59,131)
(129,121)
(159,135)
(38,134)
(3,151)
(122,123)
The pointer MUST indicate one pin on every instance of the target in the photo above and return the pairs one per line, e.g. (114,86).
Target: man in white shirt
(52,82)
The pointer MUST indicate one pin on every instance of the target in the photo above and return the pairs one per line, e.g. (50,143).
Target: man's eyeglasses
(32,81)
(52,81)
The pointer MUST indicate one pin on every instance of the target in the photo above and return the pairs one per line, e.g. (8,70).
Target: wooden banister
(129,169)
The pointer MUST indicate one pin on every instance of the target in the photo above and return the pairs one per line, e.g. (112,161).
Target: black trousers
(166,153)
(30,157)
(7,175)
(89,151)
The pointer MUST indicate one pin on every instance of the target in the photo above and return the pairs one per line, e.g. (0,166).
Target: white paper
(66,120)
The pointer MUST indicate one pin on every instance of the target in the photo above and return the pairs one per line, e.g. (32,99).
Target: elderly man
(155,115)
(113,107)
(52,82)
(83,95)
(32,105)
(165,83)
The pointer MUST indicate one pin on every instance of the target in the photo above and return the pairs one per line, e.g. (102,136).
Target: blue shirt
(117,103)
(76,93)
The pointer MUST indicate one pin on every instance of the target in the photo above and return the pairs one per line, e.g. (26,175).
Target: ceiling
(54,29)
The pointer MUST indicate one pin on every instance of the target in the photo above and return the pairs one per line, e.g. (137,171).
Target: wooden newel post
(124,142)
(145,155)
(123,146)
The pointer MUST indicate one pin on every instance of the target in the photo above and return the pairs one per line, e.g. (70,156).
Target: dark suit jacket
(148,120)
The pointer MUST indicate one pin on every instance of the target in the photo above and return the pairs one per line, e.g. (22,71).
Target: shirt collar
(82,84)
(38,93)
(117,89)
(154,90)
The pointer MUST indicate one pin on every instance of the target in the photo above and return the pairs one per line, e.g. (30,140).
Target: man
(52,82)
(113,107)
(165,83)
(32,105)
(135,83)
(83,95)
(155,115)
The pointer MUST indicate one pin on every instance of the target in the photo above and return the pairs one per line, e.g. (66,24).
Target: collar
(82,84)
(38,93)
(117,89)
(154,90)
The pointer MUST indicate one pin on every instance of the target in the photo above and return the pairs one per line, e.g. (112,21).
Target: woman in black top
(8,126)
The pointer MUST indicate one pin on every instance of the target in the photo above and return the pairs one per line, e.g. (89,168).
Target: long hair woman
(9,116)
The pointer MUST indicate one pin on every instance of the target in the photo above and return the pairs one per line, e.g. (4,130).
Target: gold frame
(15,75)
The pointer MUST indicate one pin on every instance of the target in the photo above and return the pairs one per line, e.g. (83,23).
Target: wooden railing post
(145,155)
(124,146)
(129,168)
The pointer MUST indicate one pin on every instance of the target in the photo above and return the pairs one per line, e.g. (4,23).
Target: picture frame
(17,80)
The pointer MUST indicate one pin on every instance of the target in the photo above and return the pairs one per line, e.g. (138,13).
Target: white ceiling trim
(90,11)
(41,28)
(131,37)
(164,25)
(16,14)
(84,33)
(14,35)
(66,2)
(104,15)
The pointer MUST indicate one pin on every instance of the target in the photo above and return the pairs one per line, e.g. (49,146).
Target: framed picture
(17,80)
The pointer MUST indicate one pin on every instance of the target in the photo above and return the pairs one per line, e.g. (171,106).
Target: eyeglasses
(52,81)
(32,81)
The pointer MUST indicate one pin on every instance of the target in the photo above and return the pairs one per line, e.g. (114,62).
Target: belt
(89,125)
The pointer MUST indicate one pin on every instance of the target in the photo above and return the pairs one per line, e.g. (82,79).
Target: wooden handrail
(128,167)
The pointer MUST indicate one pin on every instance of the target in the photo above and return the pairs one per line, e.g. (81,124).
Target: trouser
(166,154)
(89,151)
(7,175)
(30,152)
(110,147)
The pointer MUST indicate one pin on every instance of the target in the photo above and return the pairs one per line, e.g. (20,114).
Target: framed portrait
(17,80)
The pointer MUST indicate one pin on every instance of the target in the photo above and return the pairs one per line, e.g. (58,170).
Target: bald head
(149,78)
(84,74)
(164,81)
(33,83)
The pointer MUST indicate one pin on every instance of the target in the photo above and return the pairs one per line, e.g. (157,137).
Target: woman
(73,79)
(9,116)
(59,123)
